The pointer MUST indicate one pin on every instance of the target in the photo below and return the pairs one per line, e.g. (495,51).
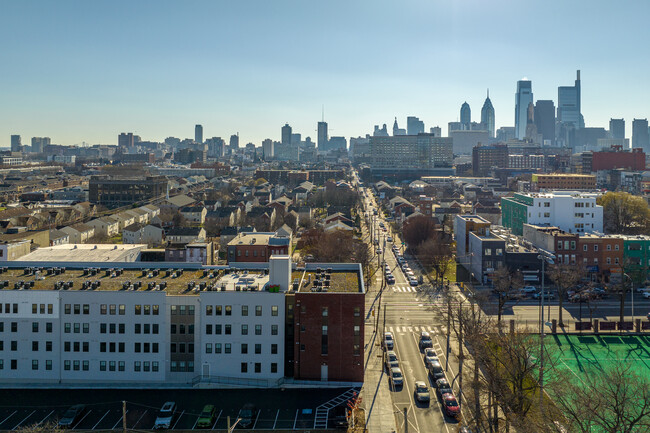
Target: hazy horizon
(85,71)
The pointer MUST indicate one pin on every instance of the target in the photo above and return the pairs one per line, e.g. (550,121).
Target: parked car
(435,370)
(389,239)
(450,404)
(396,377)
(429,356)
(390,279)
(425,340)
(547,295)
(443,387)
(528,290)
(165,416)
(72,416)
(206,418)
(413,281)
(248,415)
(339,417)
(388,341)
(646,294)
(421,392)
(391,360)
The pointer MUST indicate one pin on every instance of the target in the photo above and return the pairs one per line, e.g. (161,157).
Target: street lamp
(544,256)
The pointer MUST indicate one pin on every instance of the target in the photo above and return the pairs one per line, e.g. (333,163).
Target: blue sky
(87,70)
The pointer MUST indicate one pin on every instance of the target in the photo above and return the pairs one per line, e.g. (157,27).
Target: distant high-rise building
(234,142)
(640,138)
(487,116)
(125,140)
(286,134)
(267,149)
(15,143)
(39,143)
(198,134)
(568,105)
(505,133)
(337,143)
(322,138)
(523,97)
(380,132)
(465,116)
(545,120)
(414,126)
(436,131)
(296,138)
(397,130)
(454,126)
(617,128)
(216,147)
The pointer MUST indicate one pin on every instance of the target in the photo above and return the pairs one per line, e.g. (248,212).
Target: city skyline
(101,78)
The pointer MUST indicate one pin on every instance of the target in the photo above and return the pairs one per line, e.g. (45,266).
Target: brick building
(257,247)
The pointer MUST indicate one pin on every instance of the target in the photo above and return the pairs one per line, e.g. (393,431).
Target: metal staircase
(322,411)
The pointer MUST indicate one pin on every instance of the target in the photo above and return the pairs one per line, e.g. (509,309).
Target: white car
(413,281)
(429,356)
(646,294)
(165,416)
(391,360)
(388,341)
(396,377)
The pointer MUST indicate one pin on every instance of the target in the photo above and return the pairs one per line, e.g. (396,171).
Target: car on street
(379,250)
(425,340)
(72,416)
(391,360)
(450,404)
(435,370)
(396,377)
(642,289)
(547,295)
(413,281)
(429,356)
(206,418)
(247,415)
(646,295)
(421,392)
(165,416)
(388,341)
(443,387)
(389,239)
(528,290)
(390,279)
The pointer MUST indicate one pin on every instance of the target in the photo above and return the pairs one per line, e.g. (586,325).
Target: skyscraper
(198,134)
(617,128)
(322,139)
(414,126)
(523,97)
(286,134)
(125,139)
(39,143)
(15,143)
(465,116)
(545,119)
(568,105)
(487,115)
(397,130)
(640,136)
(234,142)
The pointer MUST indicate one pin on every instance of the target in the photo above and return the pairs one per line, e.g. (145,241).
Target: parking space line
(12,414)
(196,422)
(100,419)
(177,419)
(46,417)
(120,420)
(136,423)
(276,418)
(256,418)
(295,421)
(79,422)
(18,425)
(217,420)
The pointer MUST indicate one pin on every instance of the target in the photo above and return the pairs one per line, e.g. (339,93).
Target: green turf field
(580,353)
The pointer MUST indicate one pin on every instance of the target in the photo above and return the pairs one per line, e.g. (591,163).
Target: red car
(451,405)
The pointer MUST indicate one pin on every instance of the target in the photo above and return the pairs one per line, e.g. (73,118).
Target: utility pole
(448,329)
(124,416)
(228,423)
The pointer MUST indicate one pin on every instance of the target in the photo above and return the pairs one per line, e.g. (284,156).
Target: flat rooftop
(172,281)
(96,253)
(339,281)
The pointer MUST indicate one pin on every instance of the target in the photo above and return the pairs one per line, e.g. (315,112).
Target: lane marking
(100,420)
(17,425)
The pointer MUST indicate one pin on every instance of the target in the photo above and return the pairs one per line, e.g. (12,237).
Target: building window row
(218,329)
(147,310)
(182,348)
(258,367)
(41,309)
(9,309)
(182,310)
(76,327)
(243,348)
(182,328)
(112,309)
(220,310)
(181,366)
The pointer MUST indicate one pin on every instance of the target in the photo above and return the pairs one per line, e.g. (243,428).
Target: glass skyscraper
(523,98)
(487,116)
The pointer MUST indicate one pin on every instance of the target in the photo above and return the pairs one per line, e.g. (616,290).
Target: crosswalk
(413,329)
(404,289)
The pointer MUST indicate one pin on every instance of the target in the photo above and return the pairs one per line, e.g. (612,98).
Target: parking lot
(278,410)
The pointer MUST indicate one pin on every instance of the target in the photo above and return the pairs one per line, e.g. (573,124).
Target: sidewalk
(375,392)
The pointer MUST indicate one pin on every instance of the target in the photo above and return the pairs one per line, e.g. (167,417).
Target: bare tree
(41,428)
(435,255)
(614,400)
(506,284)
(565,277)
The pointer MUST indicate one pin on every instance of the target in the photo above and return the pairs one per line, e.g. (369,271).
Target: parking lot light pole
(544,258)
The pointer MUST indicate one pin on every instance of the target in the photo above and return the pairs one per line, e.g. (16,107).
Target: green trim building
(514,212)
(636,258)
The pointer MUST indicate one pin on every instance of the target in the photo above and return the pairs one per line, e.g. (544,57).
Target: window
(547,214)
(122,309)
(154,366)
(48,346)
(609,247)
(487,252)
(258,367)
(146,366)
(86,346)
(67,327)
(274,349)
(208,310)
(244,310)
(228,330)
(274,310)
(208,347)
(174,310)
(208,329)
(357,311)
(137,347)
(77,309)
(274,329)
(48,327)
(182,309)
(228,310)
(154,328)
(173,328)
(190,310)
(138,309)
(244,329)
(34,326)
(616,260)
(120,366)
(227,348)
(244,348)
(34,308)
(584,248)
(112,309)
(138,328)
(111,365)
(217,310)
(14,326)
(616,247)
(595,247)
(102,328)
(76,346)
(609,260)
(356,350)
(50,309)
(111,328)
(86,328)
(181,347)
(137,366)
(76,365)
(67,309)
(258,310)
(258,329)
(14,364)
(181,329)
(86,309)
(66,364)
(244,366)
(147,310)
(102,365)
(258,349)
(48,364)
(190,329)
(357,330)
(66,346)
(217,347)
(154,310)
(274,367)
(217,329)
(147,328)
(34,346)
